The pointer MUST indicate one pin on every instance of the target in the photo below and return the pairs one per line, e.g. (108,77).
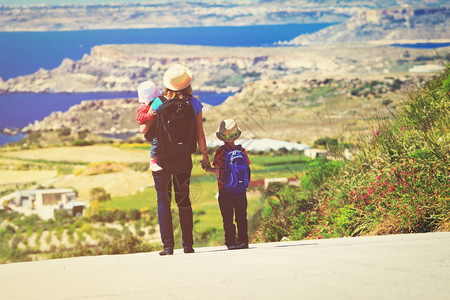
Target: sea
(23,53)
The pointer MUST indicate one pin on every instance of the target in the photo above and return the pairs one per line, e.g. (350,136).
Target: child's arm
(214,170)
(144,113)
(145,126)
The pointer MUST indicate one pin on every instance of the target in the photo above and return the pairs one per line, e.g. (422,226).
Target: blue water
(422,45)
(23,53)
(5,139)
(19,110)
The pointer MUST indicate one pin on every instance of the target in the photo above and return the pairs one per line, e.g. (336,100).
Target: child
(147,93)
(232,193)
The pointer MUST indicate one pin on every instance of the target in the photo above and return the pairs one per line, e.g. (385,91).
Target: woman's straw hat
(228,131)
(177,77)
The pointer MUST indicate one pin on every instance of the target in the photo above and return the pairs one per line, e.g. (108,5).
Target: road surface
(414,266)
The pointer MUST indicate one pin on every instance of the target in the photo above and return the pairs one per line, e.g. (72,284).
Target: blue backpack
(236,171)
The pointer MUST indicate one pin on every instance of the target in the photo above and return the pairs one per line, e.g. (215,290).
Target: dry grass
(388,226)
(123,183)
(8,177)
(91,154)
(107,169)
(102,168)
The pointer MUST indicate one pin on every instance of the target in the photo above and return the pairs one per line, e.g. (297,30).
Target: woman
(177,82)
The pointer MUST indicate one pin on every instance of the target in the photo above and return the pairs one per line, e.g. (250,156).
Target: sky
(53,2)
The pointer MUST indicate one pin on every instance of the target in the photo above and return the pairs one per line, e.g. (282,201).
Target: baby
(147,93)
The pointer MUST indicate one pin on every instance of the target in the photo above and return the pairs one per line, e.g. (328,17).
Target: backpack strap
(226,149)
(163,98)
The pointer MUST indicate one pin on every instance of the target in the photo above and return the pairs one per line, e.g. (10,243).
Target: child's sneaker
(242,246)
(233,246)
(154,167)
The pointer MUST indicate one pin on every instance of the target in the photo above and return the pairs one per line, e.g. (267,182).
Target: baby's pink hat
(148,91)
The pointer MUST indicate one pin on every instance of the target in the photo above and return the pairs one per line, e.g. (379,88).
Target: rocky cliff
(123,67)
(221,69)
(385,25)
(99,116)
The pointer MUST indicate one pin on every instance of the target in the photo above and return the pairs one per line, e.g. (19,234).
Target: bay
(5,138)
(422,45)
(23,53)
(19,110)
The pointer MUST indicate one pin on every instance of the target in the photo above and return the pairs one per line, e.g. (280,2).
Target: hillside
(396,183)
(306,110)
(223,69)
(289,109)
(297,94)
(405,25)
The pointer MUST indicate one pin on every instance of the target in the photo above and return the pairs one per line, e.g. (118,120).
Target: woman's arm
(150,120)
(202,141)
(145,127)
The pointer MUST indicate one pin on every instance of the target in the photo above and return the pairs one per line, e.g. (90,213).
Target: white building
(314,152)
(44,202)
(262,144)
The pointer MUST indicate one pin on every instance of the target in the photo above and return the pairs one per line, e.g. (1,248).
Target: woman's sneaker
(189,250)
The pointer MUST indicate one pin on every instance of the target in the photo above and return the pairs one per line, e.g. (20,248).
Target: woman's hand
(205,162)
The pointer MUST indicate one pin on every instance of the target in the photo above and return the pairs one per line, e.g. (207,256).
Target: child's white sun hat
(148,91)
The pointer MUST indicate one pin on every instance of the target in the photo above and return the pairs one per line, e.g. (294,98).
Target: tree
(97,195)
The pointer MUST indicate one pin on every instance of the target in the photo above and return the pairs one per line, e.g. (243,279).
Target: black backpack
(176,129)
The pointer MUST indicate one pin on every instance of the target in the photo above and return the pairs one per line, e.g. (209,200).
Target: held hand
(206,164)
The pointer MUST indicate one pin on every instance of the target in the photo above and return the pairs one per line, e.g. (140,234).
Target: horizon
(74,2)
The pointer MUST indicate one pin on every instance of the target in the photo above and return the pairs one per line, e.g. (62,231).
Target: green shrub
(134,214)
(319,171)
(82,134)
(326,142)
(99,194)
(397,183)
(64,132)
(80,143)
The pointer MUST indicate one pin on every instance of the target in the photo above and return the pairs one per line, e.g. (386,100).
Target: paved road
(415,266)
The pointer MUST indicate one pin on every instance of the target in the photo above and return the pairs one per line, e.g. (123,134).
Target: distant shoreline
(409,42)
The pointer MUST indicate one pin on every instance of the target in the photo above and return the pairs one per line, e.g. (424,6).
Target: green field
(115,226)
(204,204)
(203,191)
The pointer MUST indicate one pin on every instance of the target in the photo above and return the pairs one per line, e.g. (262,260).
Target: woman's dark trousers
(178,172)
